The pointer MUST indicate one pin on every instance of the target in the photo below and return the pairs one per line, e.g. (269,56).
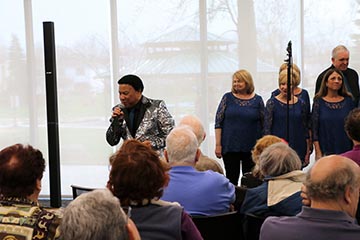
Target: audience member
(146,120)
(276,115)
(238,124)
(332,185)
(21,217)
(97,215)
(138,177)
(205,162)
(200,193)
(352,128)
(255,178)
(340,60)
(280,193)
(330,107)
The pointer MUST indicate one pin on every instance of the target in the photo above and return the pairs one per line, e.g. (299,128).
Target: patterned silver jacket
(155,125)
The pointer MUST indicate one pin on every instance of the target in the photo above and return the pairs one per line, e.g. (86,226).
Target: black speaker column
(52,114)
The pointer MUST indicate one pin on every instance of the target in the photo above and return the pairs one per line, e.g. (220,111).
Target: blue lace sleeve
(219,118)
(268,116)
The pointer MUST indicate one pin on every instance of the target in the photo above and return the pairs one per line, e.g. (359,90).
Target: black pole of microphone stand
(288,92)
(287,103)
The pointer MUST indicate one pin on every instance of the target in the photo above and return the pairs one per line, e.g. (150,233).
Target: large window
(184,50)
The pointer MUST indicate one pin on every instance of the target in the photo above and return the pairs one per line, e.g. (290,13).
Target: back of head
(94,215)
(263,143)
(133,81)
(20,168)
(352,124)
(195,124)
(329,177)
(278,159)
(206,163)
(137,173)
(259,147)
(181,145)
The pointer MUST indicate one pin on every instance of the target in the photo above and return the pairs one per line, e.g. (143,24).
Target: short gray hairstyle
(278,159)
(339,48)
(181,145)
(94,215)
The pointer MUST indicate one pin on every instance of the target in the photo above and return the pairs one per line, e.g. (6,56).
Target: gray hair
(278,159)
(339,48)
(181,145)
(95,215)
(195,124)
(333,185)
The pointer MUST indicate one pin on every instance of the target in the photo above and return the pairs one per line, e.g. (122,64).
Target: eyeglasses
(127,211)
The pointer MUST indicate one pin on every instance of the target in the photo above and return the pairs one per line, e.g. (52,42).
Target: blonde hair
(293,66)
(295,77)
(245,76)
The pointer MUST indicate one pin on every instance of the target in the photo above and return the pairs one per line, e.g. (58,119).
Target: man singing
(146,120)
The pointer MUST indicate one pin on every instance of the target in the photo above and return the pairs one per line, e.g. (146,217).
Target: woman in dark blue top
(238,124)
(276,114)
(330,107)
(301,93)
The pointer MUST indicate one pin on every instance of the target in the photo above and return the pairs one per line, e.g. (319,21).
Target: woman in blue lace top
(238,124)
(330,107)
(276,114)
(299,92)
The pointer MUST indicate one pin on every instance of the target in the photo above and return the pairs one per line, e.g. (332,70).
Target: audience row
(152,198)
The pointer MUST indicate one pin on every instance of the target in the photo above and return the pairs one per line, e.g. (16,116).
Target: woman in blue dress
(330,107)
(297,91)
(276,118)
(238,124)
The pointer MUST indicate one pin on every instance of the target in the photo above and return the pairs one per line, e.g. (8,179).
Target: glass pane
(326,25)
(159,41)
(83,62)
(185,51)
(14,97)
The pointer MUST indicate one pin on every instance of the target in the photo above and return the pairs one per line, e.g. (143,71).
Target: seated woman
(279,195)
(255,178)
(137,178)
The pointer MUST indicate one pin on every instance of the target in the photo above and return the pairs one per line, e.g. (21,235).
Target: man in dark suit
(340,60)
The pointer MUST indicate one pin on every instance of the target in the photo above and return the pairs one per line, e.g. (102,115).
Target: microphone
(288,49)
(117,118)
